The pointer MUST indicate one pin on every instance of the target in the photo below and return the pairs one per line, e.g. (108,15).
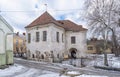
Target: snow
(57,75)
(113,61)
(17,70)
(28,73)
(73,72)
(11,70)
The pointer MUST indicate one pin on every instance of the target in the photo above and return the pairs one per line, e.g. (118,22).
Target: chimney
(17,33)
(24,34)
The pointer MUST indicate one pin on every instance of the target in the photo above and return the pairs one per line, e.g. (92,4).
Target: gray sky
(20,13)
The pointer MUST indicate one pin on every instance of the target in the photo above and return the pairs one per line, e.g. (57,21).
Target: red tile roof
(46,18)
(71,26)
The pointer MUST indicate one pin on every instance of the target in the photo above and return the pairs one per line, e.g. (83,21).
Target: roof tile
(46,18)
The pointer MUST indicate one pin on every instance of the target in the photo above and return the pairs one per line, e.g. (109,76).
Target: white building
(6,43)
(45,36)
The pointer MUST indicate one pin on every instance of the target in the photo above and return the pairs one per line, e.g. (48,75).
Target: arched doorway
(73,53)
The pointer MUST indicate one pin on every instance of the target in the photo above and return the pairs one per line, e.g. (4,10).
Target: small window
(90,48)
(44,35)
(73,40)
(57,36)
(37,36)
(29,37)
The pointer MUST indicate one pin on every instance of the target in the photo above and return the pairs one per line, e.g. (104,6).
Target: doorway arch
(73,52)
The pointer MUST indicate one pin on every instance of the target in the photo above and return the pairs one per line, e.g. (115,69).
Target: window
(44,35)
(29,37)
(57,36)
(73,40)
(62,38)
(37,36)
(90,48)
(17,42)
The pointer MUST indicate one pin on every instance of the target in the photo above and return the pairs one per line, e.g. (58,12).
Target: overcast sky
(20,13)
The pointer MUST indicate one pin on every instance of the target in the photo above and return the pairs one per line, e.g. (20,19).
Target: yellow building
(19,45)
(96,46)
(91,49)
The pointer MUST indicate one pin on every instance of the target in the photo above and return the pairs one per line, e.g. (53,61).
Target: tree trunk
(105,47)
(105,59)
(115,47)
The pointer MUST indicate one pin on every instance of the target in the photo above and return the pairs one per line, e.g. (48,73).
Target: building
(95,46)
(6,43)
(19,45)
(57,39)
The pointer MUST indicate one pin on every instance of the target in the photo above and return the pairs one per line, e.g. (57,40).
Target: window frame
(37,36)
(44,35)
(57,36)
(29,37)
(73,40)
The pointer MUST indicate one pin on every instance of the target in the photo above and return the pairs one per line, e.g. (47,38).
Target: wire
(38,10)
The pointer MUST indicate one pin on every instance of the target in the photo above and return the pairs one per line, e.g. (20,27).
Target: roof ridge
(46,18)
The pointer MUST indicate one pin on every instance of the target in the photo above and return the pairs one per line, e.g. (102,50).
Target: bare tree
(104,17)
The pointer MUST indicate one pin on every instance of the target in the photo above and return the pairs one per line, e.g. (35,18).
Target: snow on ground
(57,75)
(112,61)
(11,70)
(98,60)
(17,70)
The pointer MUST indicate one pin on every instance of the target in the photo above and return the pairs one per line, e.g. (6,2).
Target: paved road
(55,67)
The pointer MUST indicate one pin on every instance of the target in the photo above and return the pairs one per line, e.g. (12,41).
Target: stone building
(6,43)
(57,39)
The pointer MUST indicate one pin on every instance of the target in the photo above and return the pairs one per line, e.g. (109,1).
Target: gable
(5,22)
(46,18)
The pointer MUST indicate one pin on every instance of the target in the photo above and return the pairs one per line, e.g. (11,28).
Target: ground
(27,68)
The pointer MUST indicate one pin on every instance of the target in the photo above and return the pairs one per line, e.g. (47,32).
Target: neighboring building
(19,45)
(97,46)
(50,38)
(6,43)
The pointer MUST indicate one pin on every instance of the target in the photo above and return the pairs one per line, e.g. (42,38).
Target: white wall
(6,29)
(57,47)
(50,44)
(2,45)
(80,44)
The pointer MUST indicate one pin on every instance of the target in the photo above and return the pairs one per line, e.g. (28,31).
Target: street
(56,67)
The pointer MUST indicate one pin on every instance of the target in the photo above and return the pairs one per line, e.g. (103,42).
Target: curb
(107,68)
